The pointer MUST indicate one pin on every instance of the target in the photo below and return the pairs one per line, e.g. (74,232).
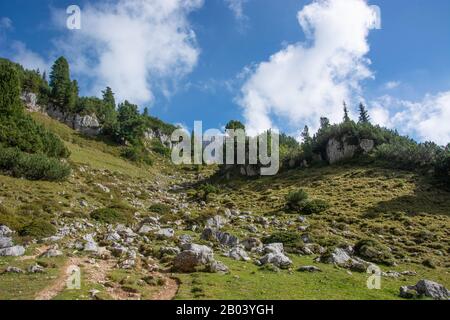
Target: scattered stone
(185,239)
(251,244)
(103,188)
(238,253)
(192,256)
(224,238)
(171,251)
(14,251)
(5,231)
(84,203)
(13,270)
(216,222)
(217,266)
(425,288)
(51,253)
(35,269)
(275,255)
(165,233)
(6,242)
(309,269)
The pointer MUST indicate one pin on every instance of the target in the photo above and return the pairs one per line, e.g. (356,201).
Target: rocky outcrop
(346,148)
(30,101)
(165,139)
(86,124)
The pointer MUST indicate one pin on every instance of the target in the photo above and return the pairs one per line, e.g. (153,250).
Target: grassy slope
(400,209)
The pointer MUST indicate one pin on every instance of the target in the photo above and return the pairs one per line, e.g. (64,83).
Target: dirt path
(169,291)
(60,283)
(98,273)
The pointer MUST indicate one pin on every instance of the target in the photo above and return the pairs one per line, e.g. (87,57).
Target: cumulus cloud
(28,58)
(307,80)
(136,47)
(428,120)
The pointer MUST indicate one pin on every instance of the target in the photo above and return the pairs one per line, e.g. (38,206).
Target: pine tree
(10,103)
(146,113)
(62,87)
(346,116)
(108,98)
(363,114)
(305,135)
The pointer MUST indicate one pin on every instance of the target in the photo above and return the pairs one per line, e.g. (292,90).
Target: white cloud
(392,85)
(428,120)
(305,81)
(237,7)
(27,58)
(136,47)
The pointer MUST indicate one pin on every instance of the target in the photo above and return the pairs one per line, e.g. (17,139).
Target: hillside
(126,249)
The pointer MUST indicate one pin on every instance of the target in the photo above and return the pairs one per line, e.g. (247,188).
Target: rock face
(30,101)
(193,256)
(425,288)
(165,139)
(86,124)
(338,150)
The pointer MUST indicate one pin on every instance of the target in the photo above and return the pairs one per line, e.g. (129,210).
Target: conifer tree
(363,114)
(346,116)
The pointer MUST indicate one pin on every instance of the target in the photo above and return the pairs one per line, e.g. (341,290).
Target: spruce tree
(305,135)
(108,98)
(62,87)
(346,116)
(363,114)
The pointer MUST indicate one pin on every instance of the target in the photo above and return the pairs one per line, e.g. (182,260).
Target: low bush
(137,154)
(295,199)
(315,206)
(32,166)
(373,251)
(111,216)
(160,208)
(38,229)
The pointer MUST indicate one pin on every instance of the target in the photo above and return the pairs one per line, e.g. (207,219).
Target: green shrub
(205,190)
(32,166)
(137,154)
(160,208)
(161,149)
(315,206)
(111,216)
(38,229)
(373,251)
(295,199)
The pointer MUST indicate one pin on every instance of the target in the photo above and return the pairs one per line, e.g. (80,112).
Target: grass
(26,286)
(247,282)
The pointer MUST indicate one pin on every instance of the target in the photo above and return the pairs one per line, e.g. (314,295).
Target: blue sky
(226,72)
